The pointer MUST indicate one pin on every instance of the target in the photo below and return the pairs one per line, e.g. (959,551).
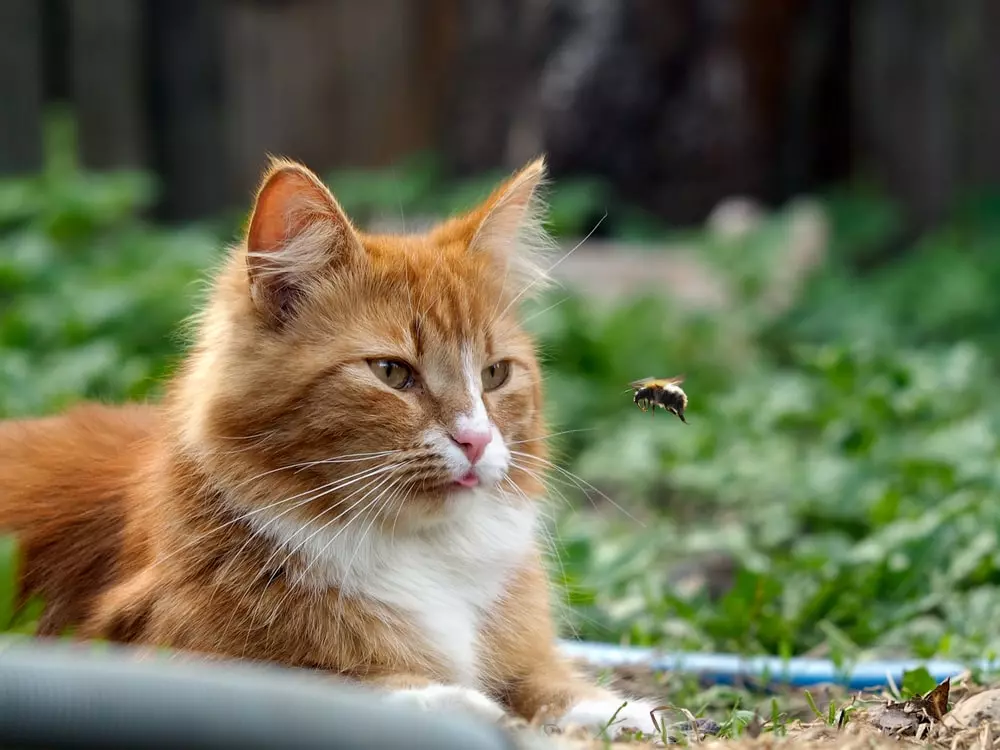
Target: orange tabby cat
(329,480)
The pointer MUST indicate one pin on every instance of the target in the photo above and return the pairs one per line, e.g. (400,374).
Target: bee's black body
(665,393)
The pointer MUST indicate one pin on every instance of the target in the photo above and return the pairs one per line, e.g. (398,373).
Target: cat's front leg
(537,682)
(554,694)
(450,700)
(612,714)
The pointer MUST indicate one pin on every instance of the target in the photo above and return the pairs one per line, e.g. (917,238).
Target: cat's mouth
(469,479)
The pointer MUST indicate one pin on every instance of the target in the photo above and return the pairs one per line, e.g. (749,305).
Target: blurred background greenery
(836,491)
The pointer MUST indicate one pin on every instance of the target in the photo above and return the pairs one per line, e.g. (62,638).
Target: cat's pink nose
(473,442)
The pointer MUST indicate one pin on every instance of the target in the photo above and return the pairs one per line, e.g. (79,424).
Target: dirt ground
(966,717)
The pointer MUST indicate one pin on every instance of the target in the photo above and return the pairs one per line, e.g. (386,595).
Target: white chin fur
(441,580)
(596,714)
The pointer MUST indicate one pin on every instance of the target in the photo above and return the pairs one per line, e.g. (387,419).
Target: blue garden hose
(729,669)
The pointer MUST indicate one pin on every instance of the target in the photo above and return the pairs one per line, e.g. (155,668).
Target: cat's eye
(496,375)
(393,373)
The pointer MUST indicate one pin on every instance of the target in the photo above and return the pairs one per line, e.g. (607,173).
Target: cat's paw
(450,699)
(600,714)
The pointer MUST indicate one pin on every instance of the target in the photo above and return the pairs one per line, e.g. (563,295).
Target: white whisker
(319,555)
(368,508)
(377,481)
(310,496)
(248,515)
(580,482)
(349,458)
(400,483)
(401,504)
(551,435)
(387,470)
(548,270)
(546,483)
(539,313)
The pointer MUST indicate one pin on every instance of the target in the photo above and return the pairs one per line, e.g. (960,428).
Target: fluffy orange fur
(142,523)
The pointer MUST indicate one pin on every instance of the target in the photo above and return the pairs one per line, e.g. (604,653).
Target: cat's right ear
(297,232)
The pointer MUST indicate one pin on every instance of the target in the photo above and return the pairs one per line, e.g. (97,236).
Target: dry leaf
(910,715)
(936,701)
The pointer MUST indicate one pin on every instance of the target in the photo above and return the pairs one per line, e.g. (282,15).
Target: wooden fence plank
(21,85)
(924,105)
(334,83)
(188,107)
(106,64)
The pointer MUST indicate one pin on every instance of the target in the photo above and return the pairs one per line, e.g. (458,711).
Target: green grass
(841,457)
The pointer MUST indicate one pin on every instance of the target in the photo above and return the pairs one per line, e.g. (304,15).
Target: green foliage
(841,456)
(917,682)
(90,295)
(8,580)
(847,473)
(15,617)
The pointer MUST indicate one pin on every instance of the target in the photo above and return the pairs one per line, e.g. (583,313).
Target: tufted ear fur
(297,232)
(511,228)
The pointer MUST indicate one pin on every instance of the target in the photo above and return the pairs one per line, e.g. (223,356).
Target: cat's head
(370,371)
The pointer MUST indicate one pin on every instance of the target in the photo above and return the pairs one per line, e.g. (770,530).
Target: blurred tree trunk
(678,104)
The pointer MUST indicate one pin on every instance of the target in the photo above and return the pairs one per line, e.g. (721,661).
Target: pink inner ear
(283,244)
(275,217)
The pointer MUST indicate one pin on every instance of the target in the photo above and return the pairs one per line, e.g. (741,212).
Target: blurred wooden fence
(201,90)
(679,103)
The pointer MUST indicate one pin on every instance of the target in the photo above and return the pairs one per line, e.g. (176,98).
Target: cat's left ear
(511,227)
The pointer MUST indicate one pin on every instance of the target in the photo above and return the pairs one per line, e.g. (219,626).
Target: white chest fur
(442,578)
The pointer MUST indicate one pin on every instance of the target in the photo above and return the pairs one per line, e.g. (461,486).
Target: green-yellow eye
(496,375)
(393,373)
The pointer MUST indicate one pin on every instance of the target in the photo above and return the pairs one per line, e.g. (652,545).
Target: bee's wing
(656,381)
(641,382)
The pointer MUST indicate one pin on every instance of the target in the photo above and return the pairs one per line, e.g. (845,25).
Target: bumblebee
(663,392)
